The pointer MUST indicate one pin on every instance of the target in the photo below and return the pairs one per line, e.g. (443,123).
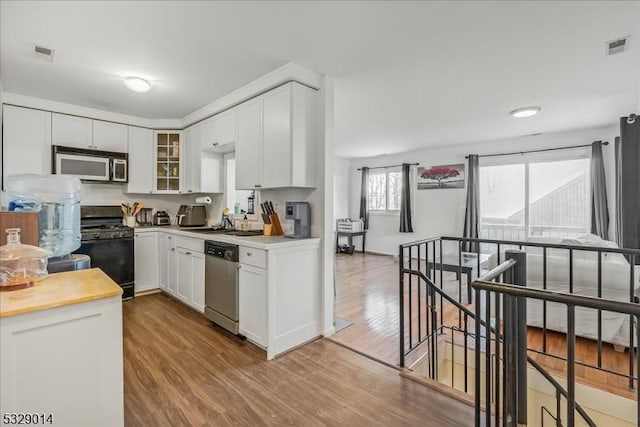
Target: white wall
(111,194)
(341,188)
(441,212)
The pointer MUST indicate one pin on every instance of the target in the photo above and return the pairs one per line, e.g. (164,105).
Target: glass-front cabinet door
(168,165)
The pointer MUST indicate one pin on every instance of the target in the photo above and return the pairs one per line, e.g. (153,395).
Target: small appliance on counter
(161,218)
(300,213)
(144,218)
(191,216)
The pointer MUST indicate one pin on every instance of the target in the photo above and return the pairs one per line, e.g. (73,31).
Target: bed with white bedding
(616,285)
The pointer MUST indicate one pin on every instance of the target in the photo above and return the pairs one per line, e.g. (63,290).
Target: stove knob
(96,235)
(114,235)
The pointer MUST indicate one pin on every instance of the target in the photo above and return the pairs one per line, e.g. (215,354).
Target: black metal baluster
(441,285)
(570,271)
(466,361)
(544,303)
(632,281)
(599,311)
(453,364)
(476,355)
(419,299)
(487,360)
(434,326)
(497,352)
(410,299)
(571,364)
(637,364)
(459,281)
(401,296)
(558,408)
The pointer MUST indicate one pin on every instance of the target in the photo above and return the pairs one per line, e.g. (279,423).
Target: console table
(350,235)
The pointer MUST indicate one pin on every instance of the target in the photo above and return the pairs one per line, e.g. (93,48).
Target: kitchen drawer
(255,257)
(196,245)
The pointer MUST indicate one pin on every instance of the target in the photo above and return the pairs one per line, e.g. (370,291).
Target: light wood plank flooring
(367,294)
(181,371)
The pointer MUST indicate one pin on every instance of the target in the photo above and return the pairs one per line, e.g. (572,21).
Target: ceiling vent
(617,46)
(44,53)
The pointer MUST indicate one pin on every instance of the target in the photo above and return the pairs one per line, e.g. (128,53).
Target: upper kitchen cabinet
(26,141)
(80,132)
(219,131)
(275,145)
(202,170)
(108,136)
(168,164)
(248,146)
(140,148)
(191,159)
(71,131)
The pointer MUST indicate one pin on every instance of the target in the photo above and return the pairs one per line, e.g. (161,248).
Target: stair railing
(513,298)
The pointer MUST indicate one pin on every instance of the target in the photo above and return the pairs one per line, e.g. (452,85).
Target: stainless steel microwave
(90,165)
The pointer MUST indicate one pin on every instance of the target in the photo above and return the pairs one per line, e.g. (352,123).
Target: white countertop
(256,242)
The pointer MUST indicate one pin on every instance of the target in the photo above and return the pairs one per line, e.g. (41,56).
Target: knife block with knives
(272,226)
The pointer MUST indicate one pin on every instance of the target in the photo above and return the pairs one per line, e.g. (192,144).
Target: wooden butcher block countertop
(58,290)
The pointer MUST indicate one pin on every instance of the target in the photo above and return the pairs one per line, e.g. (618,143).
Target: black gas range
(105,232)
(109,244)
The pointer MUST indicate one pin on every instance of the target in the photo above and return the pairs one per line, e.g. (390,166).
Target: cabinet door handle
(169,237)
(215,144)
(249,254)
(187,253)
(173,249)
(258,186)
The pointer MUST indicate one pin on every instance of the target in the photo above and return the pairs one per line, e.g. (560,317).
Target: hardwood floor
(367,294)
(181,371)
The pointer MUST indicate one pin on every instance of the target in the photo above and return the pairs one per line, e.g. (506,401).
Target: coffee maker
(300,213)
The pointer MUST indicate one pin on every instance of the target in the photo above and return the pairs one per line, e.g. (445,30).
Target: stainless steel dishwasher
(221,284)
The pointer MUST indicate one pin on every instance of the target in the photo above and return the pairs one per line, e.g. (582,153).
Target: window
(233,196)
(535,197)
(384,191)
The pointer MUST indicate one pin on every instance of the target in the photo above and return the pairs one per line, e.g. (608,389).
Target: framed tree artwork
(440,177)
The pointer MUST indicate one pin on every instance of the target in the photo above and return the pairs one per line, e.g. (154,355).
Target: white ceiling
(408,75)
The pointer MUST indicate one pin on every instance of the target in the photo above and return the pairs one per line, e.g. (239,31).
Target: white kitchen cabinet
(190,273)
(276,138)
(184,267)
(108,136)
(190,176)
(164,243)
(249,145)
(26,141)
(202,170)
(168,155)
(172,266)
(275,145)
(140,167)
(146,261)
(65,361)
(219,130)
(253,304)
(71,131)
(190,269)
(197,277)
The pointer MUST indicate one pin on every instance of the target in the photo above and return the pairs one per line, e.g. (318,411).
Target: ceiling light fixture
(137,84)
(525,111)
